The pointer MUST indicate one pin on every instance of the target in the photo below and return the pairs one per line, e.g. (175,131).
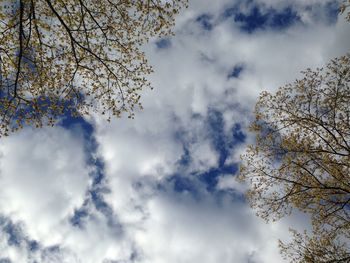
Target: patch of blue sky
(195,182)
(72,123)
(99,202)
(205,21)
(163,43)
(211,177)
(41,104)
(182,183)
(257,19)
(33,245)
(222,142)
(15,235)
(79,216)
(200,186)
(273,19)
(215,126)
(79,125)
(236,71)
(238,134)
(185,159)
(95,195)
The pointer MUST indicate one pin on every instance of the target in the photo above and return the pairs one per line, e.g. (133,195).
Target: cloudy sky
(161,188)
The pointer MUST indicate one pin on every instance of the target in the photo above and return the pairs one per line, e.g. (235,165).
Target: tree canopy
(345,5)
(301,159)
(75,56)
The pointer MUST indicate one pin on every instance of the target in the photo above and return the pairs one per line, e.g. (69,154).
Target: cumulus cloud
(161,188)
(43,177)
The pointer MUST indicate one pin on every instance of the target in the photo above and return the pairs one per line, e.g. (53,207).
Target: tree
(316,249)
(345,5)
(75,57)
(301,159)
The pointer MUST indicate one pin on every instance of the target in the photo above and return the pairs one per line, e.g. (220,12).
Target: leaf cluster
(343,8)
(301,159)
(76,57)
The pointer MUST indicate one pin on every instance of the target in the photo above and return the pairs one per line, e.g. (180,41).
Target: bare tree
(325,248)
(345,5)
(75,56)
(301,159)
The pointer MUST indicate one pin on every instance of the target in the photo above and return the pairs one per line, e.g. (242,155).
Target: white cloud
(181,229)
(43,178)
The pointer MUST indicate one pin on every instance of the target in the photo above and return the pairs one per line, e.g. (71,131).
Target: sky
(161,188)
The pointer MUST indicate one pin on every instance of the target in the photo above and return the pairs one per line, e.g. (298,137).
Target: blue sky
(161,188)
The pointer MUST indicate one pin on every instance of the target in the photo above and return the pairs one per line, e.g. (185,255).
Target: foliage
(301,159)
(75,56)
(343,7)
(318,249)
